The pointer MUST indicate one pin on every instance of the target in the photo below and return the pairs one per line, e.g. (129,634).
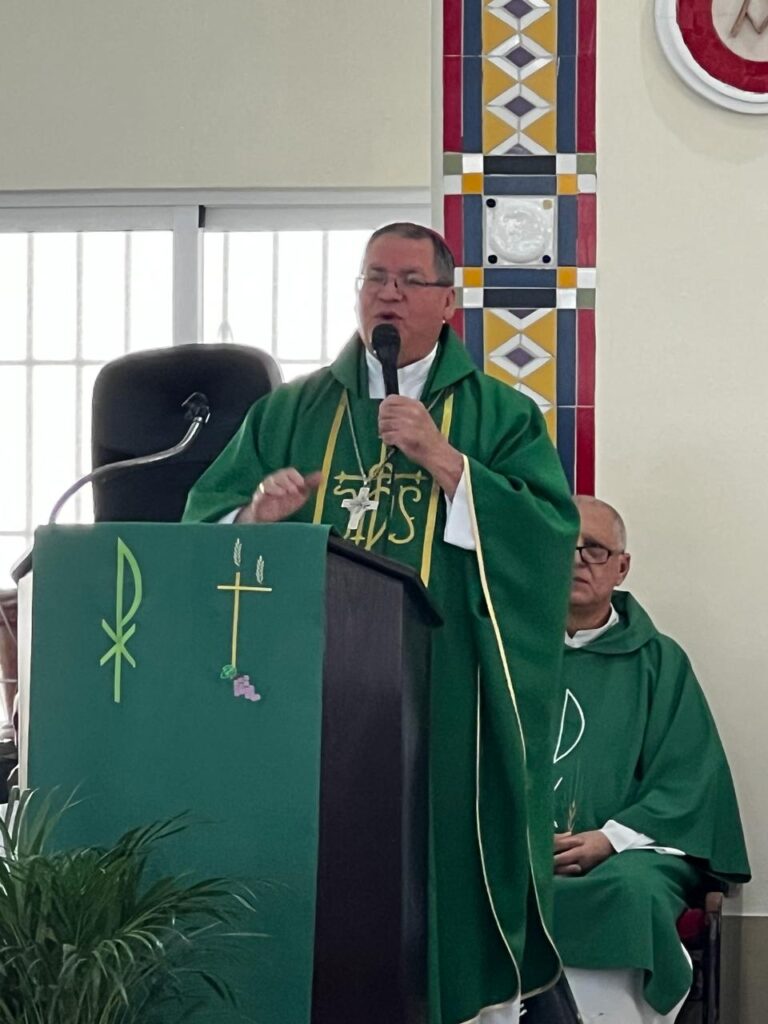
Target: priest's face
(593,583)
(394,274)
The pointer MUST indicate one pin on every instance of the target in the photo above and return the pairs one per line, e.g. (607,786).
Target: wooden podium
(317,783)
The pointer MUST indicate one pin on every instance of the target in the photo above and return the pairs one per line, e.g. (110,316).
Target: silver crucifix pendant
(358,506)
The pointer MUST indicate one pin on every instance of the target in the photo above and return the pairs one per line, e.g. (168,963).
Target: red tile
(452,20)
(585,358)
(585,104)
(585,451)
(453,224)
(587,27)
(457,322)
(452,76)
(586,239)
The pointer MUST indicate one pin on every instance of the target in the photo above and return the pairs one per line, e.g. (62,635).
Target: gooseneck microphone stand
(197,414)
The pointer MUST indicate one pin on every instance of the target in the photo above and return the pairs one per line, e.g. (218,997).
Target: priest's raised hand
(577,854)
(279,495)
(405,423)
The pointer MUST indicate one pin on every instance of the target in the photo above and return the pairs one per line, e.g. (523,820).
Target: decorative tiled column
(519,182)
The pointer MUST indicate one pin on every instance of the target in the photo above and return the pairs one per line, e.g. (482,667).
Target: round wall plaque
(719,48)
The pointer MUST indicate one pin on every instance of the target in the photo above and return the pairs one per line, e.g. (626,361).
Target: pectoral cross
(239,589)
(358,506)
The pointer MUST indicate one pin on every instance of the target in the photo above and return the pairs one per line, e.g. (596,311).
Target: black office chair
(137,410)
(699,929)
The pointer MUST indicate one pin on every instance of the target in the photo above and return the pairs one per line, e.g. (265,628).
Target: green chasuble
(496,662)
(637,744)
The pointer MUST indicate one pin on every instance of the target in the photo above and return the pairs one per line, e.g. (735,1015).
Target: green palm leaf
(85,938)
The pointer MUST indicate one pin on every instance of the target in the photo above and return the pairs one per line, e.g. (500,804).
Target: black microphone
(385,342)
(197,413)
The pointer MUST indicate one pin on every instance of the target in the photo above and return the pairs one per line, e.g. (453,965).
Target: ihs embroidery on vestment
(387,495)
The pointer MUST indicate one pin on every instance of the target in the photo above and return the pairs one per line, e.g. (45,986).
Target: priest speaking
(456,477)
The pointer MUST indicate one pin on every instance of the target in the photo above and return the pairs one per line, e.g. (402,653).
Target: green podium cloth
(179,668)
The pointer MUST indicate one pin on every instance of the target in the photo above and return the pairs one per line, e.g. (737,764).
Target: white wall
(194,93)
(682,423)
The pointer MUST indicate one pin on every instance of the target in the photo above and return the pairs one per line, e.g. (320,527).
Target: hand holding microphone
(403,422)
(406,424)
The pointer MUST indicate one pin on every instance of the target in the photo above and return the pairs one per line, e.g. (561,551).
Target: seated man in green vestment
(646,813)
(456,477)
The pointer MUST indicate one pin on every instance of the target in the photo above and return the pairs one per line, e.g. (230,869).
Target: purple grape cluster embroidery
(242,687)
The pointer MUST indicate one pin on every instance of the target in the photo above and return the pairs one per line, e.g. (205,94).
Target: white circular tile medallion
(719,48)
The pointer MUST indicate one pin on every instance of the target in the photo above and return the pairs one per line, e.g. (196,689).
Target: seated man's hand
(279,495)
(576,854)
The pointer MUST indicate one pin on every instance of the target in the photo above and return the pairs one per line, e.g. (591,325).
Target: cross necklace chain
(362,501)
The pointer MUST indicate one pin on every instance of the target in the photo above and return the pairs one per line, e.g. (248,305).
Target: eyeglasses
(595,554)
(374,280)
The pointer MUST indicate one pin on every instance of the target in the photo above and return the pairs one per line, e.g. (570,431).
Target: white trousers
(615,997)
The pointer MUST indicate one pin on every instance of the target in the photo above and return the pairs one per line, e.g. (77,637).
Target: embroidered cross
(237,589)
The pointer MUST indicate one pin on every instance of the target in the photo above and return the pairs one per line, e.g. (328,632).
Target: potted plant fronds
(88,937)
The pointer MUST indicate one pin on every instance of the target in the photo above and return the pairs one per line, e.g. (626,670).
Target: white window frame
(190,213)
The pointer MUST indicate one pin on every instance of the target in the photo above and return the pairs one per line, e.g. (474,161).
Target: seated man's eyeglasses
(373,280)
(595,554)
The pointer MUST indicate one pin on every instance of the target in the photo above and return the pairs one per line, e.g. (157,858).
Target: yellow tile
(544,32)
(567,184)
(495,81)
(543,381)
(550,418)
(473,277)
(495,31)
(544,331)
(495,131)
(472,184)
(544,82)
(543,131)
(495,331)
(566,277)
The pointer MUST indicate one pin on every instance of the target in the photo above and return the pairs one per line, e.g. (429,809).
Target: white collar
(410,379)
(582,637)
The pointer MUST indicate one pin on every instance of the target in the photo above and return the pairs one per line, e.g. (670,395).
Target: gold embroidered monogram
(373,499)
(390,490)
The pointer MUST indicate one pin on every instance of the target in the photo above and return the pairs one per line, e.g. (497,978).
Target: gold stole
(429,532)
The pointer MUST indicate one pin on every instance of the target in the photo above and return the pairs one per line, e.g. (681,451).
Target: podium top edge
(337,546)
(389,567)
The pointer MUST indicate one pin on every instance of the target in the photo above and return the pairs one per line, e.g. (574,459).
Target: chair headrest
(137,399)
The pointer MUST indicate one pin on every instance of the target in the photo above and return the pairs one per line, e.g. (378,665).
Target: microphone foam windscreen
(385,341)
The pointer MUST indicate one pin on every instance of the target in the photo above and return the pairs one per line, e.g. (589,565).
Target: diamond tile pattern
(520,357)
(519,106)
(518,8)
(520,56)
(527,118)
